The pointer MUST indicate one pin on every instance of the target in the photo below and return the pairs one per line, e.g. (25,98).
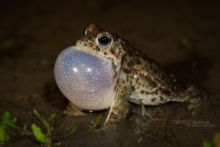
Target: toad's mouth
(107,58)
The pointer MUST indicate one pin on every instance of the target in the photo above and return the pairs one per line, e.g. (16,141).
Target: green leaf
(72,130)
(11,121)
(8,117)
(3,133)
(38,134)
(207,143)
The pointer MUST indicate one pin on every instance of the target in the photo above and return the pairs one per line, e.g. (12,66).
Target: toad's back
(148,83)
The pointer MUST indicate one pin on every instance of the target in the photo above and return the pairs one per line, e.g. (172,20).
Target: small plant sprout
(39,135)
(8,122)
(11,121)
(97,122)
(72,130)
(144,111)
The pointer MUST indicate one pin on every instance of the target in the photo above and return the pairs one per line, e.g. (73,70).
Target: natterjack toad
(104,71)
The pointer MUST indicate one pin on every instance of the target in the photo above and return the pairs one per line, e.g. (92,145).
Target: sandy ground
(32,34)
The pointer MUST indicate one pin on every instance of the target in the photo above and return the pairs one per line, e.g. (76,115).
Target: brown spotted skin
(139,78)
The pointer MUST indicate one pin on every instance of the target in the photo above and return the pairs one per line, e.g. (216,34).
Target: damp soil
(183,36)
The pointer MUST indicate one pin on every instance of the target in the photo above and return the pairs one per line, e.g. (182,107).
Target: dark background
(183,36)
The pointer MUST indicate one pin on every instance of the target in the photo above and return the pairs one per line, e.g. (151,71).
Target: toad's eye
(104,39)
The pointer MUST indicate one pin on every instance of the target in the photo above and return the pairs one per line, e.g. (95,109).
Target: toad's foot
(194,103)
(194,97)
(118,111)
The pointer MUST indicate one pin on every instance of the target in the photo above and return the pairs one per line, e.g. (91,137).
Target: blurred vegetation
(207,143)
(8,122)
(41,131)
(40,136)
(216,140)
(97,123)
(144,111)
(72,130)
(185,44)
(214,143)
(13,43)
(7,44)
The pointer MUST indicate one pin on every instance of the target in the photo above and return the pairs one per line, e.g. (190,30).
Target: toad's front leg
(120,106)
